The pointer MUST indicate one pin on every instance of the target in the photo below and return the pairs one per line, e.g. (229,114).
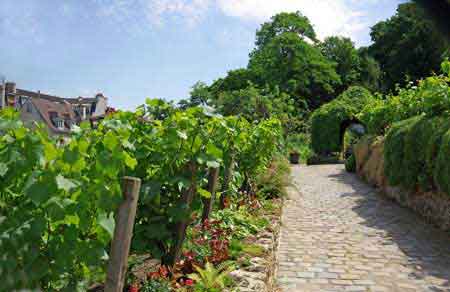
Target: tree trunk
(212,184)
(228,176)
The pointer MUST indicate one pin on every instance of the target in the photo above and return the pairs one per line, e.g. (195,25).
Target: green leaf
(110,141)
(204,193)
(107,222)
(130,161)
(182,135)
(64,183)
(213,164)
(3,169)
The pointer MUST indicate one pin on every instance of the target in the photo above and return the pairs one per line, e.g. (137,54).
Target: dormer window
(60,124)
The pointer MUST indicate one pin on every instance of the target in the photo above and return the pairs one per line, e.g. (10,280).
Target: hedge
(326,121)
(417,153)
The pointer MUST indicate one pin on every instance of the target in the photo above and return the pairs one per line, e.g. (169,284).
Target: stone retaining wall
(433,206)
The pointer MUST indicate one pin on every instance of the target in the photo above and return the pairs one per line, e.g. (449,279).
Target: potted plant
(294,155)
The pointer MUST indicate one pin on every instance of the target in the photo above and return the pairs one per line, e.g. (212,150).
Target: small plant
(211,279)
(156,285)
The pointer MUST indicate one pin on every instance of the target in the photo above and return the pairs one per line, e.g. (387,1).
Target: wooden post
(120,246)
(212,184)
(228,176)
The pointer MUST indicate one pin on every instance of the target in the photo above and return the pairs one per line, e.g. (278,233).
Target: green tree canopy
(407,44)
(299,68)
(285,22)
(342,51)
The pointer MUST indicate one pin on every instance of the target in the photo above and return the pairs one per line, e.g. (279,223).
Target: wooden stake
(228,176)
(120,246)
(212,184)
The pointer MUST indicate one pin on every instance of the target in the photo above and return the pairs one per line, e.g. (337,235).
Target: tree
(235,80)
(297,67)
(369,70)
(342,51)
(285,22)
(407,44)
(199,95)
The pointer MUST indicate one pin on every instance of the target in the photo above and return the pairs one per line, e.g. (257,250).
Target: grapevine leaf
(107,223)
(38,192)
(130,161)
(64,183)
(3,169)
(204,193)
(110,141)
(182,135)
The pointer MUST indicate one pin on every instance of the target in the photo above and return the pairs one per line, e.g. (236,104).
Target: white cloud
(329,17)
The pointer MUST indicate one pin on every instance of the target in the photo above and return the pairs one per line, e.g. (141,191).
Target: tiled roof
(62,109)
(33,95)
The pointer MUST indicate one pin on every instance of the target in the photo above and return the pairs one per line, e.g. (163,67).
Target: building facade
(57,113)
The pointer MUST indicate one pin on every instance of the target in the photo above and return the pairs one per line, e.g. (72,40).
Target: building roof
(62,109)
(32,94)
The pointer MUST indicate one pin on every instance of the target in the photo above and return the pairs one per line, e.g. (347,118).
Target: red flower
(133,288)
(189,282)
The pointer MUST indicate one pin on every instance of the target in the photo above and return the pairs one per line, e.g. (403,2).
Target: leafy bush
(417,153)
(431,97)
(156,285)
(211,279)
(299,143)
(350,163)
(272,183)
(327,121)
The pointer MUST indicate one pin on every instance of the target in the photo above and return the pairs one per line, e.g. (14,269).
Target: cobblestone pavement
(338,234)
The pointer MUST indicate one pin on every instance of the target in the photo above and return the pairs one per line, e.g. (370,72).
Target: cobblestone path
(338,234)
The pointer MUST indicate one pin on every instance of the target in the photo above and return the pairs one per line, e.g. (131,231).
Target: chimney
(10,88)
(2,94)
(10,94)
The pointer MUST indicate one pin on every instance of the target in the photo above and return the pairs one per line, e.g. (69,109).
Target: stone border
(259,276)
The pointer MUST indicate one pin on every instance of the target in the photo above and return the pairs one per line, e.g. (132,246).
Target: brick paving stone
(338,234)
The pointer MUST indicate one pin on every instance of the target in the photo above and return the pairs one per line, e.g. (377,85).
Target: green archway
(330,121)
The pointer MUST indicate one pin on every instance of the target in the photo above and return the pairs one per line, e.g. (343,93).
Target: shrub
(431,98)
(272,183)
(442,169)
(417,153)
(327,120)
(350,163)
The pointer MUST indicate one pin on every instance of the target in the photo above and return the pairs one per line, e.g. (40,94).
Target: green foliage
(211,279)
(350,163)
(156,285)
(301,144)
(297,67)
(240,221)
(327,121)
(273,181)
(417,153)
(284,23)
(407,44)
(442,168)
(57,203)
(431,97)
(342,51)
(57,200)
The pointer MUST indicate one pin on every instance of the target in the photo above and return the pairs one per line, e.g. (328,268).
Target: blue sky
(134,49)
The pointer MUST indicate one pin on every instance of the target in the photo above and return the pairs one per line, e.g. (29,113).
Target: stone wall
(433,206)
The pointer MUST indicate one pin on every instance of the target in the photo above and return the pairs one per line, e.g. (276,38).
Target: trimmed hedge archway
(329,122)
